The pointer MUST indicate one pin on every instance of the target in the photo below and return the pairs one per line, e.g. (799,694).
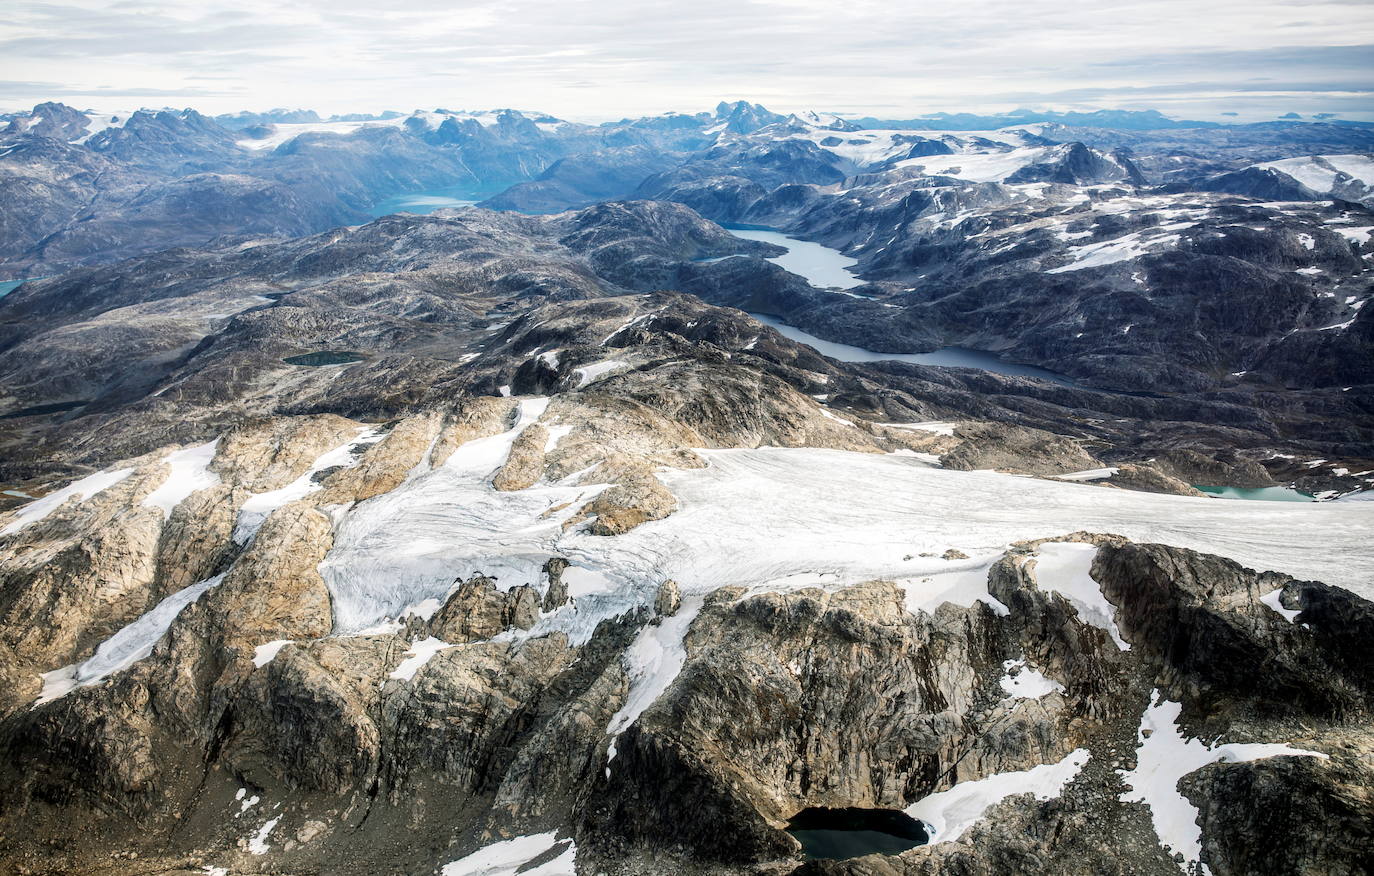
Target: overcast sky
(600,59)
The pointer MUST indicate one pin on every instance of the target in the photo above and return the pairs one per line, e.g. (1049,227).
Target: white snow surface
(126,647)
(1163,757)
(1091,474)
(97,122)
(419,654)
(589,374)
(1026,683)
(947,814)
(1271,599)
(962,583)
(265,654)
(939,428)
(1121,249)
(1064,567)
(979,167)
(190,472)
(754,516)
(653,661)
(258,844)
(508,856)
(85,488)
(1320,172)
(259,506)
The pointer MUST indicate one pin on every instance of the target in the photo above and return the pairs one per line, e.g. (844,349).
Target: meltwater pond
(8,286)
(949,357)
(424,202)
(829,268)
(853,833)
(1267,494)
(322,358)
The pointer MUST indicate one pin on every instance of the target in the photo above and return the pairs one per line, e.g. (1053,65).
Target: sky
(593,60)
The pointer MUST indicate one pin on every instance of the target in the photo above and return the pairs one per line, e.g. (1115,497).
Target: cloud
(607,58)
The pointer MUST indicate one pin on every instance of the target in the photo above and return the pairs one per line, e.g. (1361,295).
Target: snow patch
(419,654)
(190,472)
(265,654)
(1271,599)
(1065,568)
(126,647)
(260,505)
(258,844)
(963,586)
(85,488)
(589,374)
(653,662)
(936,426)
(948,814)
(509,857)
(1091,474)
(1020,682)
(1163,757)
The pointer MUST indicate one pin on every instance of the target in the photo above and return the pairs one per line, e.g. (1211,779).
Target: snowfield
(771,515)
(1321,172)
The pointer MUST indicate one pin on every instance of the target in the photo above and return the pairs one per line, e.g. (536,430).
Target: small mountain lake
(42,410)
(1265,494)
(8,286)
(322,358)
(424,202)
(824,267)
(948,357)
(852,833)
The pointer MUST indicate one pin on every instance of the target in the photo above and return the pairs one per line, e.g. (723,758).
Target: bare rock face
(525,464)
(1147,478)
(668,599)
(556,593)
(269,453)
(1015,449)
(635,497)
(1194,467)
(385,464)
(275,590)
(477,611)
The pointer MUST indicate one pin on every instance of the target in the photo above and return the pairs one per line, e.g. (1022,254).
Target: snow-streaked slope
(126,647)
(948,814)
(84,488)
(1064,567)
(1163,757)
(979,167)
(259,505)
(190,471)
(506,858)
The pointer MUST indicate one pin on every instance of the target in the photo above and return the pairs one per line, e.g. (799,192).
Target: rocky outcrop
(1015,449)
(478,611)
